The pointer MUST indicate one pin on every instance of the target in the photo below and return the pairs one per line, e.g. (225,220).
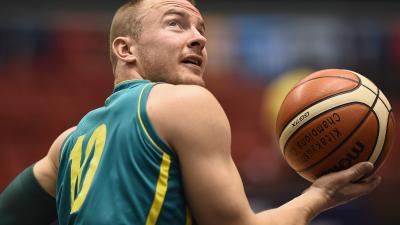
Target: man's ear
(124,49)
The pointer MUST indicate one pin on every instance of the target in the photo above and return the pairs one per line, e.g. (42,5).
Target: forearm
(25,202)
(299,211)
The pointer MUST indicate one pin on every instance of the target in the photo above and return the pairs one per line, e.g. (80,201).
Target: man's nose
(198,40)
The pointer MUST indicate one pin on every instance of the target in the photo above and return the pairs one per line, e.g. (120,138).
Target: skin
(194,124)
(166,40)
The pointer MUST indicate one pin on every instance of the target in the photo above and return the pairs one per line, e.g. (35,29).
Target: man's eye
(172,23)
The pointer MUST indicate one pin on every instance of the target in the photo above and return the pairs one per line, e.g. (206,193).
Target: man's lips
(194,60)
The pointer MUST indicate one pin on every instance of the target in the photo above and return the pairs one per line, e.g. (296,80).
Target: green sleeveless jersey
(115,170)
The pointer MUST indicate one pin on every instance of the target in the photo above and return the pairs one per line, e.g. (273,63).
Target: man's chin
(199,82)
(190,80)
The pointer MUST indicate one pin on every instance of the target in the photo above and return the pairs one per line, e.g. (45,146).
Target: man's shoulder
(182,92)
(177,110)
(178,97)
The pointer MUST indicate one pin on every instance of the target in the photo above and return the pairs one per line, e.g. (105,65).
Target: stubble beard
(155,72)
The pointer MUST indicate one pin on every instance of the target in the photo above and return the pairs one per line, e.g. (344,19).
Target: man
(158,153)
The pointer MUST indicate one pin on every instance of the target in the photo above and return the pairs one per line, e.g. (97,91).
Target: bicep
(198,130)
(46,169)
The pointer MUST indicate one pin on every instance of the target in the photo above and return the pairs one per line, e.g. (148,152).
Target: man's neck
(121,75)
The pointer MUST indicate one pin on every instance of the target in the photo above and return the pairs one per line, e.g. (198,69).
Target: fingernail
(369,164)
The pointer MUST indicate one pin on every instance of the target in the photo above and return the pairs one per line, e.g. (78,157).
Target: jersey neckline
(128,84)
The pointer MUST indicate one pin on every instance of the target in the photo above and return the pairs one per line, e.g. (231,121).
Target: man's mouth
(194,60)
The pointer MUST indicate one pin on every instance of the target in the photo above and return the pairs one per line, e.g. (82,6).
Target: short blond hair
(126,23)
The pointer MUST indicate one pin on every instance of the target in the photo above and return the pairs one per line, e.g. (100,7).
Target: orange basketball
(333,119)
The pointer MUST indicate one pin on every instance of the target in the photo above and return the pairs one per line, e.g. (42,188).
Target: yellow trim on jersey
(188,217)
(142,124)
(161,190)
(162,182)
(124,81)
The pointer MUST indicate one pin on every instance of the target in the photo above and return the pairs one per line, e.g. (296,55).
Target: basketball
(333,119)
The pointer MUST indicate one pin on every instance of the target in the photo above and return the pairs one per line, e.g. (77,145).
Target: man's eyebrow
(176,12)
(184,14)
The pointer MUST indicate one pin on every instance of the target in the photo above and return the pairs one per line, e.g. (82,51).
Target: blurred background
(54,68)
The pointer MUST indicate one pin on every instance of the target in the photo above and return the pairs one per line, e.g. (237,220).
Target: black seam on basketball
(377,136)
(345,140)
(387,107)
(378,94)
(309,121)
(320,100)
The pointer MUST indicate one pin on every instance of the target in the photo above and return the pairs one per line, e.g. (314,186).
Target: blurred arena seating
(54,69)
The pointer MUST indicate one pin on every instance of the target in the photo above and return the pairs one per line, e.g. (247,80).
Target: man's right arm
(193,123)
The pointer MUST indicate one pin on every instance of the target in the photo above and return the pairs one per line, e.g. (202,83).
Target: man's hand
(341,187)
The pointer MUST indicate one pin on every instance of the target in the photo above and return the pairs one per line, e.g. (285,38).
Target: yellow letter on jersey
(97,140)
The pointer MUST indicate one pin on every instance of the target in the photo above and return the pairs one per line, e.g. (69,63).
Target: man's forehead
(179,4)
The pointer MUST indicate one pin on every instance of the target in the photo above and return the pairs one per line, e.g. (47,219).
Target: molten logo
(349,158)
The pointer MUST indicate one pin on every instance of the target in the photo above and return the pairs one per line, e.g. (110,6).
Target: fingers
(340,187)
(337,180)
(364,187)
(354,173)
(370,179)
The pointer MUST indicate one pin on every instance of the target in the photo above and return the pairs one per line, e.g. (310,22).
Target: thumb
(355,173)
